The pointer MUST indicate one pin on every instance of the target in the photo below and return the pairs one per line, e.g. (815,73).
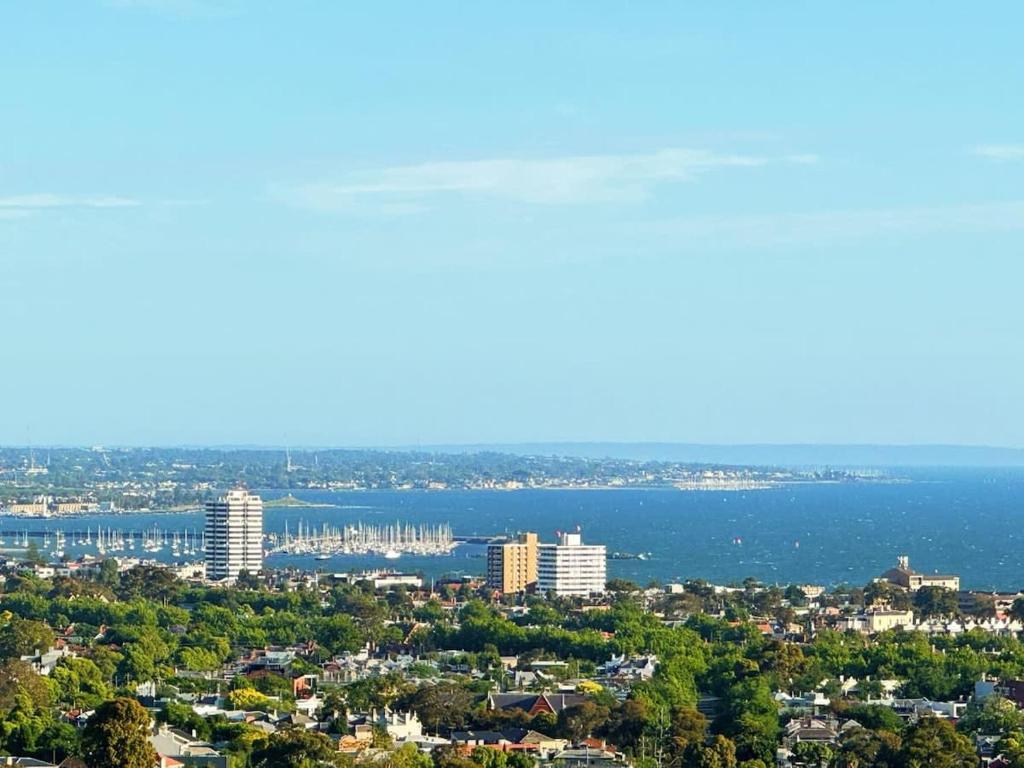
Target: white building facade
(234,535)
(571,567)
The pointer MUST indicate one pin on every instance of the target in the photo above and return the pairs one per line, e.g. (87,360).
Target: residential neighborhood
(374,665)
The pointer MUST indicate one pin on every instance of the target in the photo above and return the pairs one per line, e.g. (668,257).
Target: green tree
(992,716)
(1017,609)
(721,753)
(80,683)
(936,601)
(59,740)
(246,580)
(17,678)
(248,699)
(795,595)
(450,756)
(934,743)
(486,757)
(581,720)
(1011,747)
(630,721)
(863,748)
(406,756)
(521,760)
(446,705)
(117,736)
(152,583)
(296,748)
(752,719)
(380,738)
(884,593)
(137,664)
(874,717)
(33,556)
(813,754)
(23,637)
(109,574)
(688,728)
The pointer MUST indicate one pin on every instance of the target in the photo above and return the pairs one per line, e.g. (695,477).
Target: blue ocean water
(965,522)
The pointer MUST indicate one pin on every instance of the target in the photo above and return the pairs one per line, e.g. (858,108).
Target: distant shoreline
(291,502)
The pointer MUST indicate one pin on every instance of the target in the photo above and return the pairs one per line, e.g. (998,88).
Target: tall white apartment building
(234,535)
(571,567)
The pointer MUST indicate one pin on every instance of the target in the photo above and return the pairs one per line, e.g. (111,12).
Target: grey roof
(526,701)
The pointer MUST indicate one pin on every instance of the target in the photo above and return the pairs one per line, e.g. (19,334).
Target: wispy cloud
(786,229)
(552,181)
(180,7)
(49,200)
(1003,153)
(18,206)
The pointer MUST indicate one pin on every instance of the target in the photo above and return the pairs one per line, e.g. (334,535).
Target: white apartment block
(571,567)
(234,535)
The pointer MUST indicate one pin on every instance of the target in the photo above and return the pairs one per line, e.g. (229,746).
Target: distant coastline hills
(765,454)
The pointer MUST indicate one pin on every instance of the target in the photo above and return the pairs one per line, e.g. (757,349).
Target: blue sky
(390,224)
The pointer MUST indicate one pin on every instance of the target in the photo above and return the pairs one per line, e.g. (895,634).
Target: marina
(106,539)
(847,532)
(324,542)
(390,541)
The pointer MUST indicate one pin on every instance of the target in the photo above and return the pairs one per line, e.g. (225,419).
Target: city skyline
(785,224)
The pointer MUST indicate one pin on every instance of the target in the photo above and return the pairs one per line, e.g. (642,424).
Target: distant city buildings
(52,506)
(512,566)
(571,567)
(234,535)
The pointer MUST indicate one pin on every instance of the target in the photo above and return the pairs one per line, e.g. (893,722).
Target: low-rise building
(904,576)
(534,703)
(173,743)
(629,669)
(45,662)
(401,726)
(586,757)
(878,620)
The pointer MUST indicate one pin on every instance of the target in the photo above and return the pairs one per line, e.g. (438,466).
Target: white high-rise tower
(234,535)
(571,567)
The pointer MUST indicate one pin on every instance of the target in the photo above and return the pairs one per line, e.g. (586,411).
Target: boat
(322,557)
(629,556)
(392,554)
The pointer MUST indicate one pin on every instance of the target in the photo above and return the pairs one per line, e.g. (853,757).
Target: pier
(481,538)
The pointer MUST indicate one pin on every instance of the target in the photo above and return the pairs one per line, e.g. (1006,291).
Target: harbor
(320,542)
(183,542)
(390,541)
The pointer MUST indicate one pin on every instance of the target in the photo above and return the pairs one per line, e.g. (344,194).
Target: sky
(321,223)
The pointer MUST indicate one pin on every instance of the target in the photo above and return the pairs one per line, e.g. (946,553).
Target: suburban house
(534,703)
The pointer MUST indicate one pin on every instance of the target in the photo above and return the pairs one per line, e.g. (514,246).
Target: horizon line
(499,444)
